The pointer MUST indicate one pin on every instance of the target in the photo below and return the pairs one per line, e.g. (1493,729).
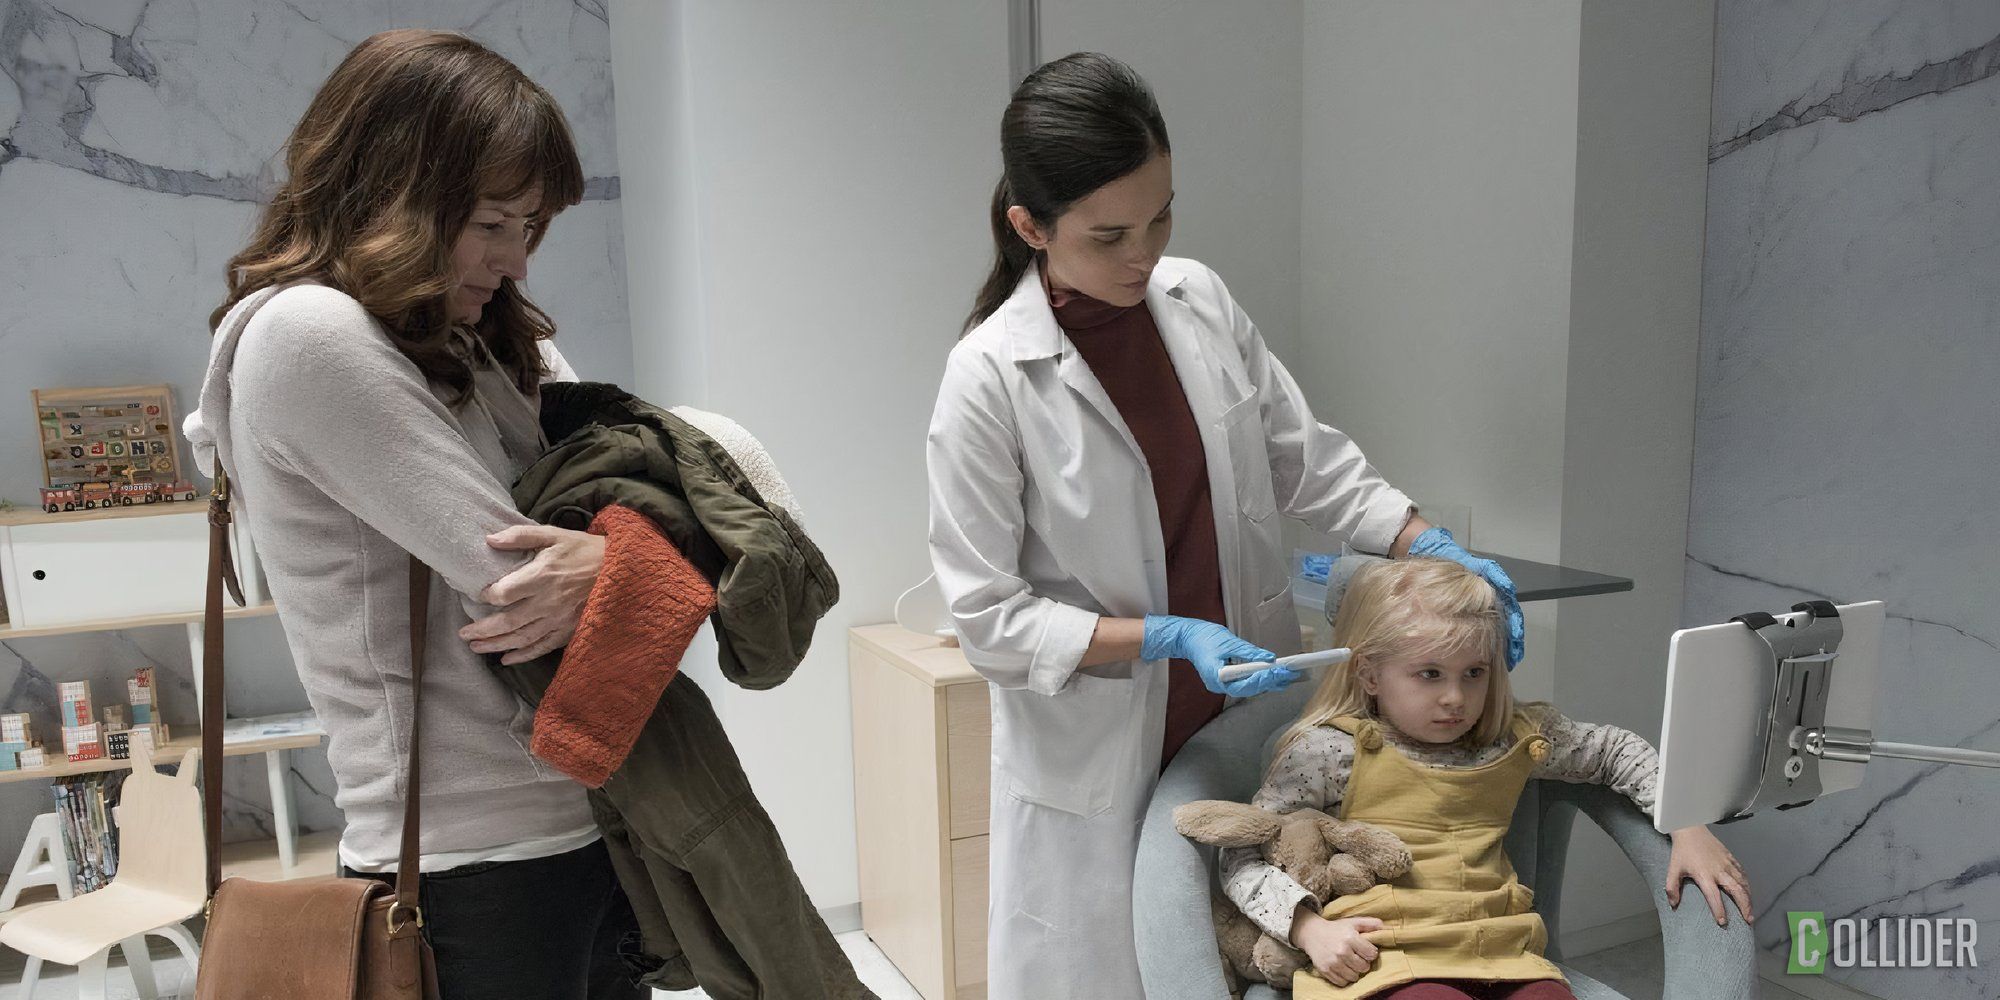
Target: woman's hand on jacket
(540,602)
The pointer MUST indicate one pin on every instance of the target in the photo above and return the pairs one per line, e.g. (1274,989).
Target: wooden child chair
(159,884)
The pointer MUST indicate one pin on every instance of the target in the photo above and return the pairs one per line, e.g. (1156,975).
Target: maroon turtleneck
(1122,346)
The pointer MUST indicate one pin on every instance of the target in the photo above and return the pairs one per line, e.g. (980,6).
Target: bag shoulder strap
(221,574)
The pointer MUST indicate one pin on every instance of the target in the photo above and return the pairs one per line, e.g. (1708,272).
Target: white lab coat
(1043,519)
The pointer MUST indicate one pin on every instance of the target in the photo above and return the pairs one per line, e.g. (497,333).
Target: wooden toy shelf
(36,515)
(144,566)
(141,621)
(176,748)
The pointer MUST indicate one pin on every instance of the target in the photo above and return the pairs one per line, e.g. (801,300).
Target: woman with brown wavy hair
(372,391)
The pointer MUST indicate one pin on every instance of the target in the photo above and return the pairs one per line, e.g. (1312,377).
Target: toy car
(90,496)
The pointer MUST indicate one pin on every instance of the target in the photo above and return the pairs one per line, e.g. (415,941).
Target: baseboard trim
(841,919)
(1624,930)
(1771,968)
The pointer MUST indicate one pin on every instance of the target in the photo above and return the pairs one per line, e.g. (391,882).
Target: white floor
(875,971)
(1634,969)
(60,983)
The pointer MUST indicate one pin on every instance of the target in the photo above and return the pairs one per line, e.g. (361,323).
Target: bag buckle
(416,917)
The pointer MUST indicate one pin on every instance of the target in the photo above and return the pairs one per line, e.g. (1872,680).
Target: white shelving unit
(145,566)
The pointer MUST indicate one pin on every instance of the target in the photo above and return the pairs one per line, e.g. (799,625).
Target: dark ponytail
(1074,125)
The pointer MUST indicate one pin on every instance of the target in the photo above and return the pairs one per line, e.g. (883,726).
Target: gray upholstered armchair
(1174,876)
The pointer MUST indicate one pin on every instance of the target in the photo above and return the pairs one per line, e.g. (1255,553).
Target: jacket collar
(1030,323)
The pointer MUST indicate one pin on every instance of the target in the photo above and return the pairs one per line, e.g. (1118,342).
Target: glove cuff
(1432,541)
(1155,643)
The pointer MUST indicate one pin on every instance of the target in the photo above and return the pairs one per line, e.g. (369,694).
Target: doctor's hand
(542,600)
(1439,544)
(1210,647)
(1336,948)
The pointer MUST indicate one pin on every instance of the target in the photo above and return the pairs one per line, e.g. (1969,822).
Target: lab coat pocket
(1249,459)
(1067,755)
(1271,611)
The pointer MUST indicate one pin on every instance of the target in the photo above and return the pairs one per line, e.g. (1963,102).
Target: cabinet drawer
(109,568)
(968,916)
(968,739)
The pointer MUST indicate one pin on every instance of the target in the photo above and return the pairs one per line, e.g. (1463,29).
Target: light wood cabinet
(923,738)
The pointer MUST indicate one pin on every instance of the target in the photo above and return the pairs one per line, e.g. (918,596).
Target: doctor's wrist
(1415,526)
(1114,640)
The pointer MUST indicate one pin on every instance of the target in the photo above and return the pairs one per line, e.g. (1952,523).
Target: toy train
(90,496)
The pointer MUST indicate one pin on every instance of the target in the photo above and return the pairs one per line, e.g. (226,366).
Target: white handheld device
(1301,662)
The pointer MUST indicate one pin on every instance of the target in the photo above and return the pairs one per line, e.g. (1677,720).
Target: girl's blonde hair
(1403,608)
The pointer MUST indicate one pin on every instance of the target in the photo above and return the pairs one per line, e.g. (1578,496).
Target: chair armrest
(1703,961)
(1171,882)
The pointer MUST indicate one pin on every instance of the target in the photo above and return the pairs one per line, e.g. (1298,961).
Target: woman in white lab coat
(1110,445)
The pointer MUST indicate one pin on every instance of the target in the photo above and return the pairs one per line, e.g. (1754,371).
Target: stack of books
(83,802)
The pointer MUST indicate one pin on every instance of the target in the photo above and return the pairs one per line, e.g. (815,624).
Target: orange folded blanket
(646,606)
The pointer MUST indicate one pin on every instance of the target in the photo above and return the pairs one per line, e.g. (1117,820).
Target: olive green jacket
(772,585)
(717,900)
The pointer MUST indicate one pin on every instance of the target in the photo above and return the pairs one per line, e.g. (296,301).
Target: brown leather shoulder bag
(316,938)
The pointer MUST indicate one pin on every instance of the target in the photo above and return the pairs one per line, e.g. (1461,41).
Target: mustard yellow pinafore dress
(1459,912)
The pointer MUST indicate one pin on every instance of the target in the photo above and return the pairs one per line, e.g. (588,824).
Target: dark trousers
(546,928)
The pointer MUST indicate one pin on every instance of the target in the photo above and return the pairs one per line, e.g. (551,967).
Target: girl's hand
(1336,947)
(541,601)
(1698,855)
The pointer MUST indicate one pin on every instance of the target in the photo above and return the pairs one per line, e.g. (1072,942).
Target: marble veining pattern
(1843,444)
(1862,97)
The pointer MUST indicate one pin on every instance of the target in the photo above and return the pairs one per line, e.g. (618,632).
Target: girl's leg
(1540,989)
(1426,989)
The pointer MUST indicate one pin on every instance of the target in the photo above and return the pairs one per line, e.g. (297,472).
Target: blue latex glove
(1210,647)
(1438,543)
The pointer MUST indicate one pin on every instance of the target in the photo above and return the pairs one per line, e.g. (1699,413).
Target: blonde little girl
(1418,734)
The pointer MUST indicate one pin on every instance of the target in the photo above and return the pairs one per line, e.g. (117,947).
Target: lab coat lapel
(1203,382)
(1031,324)
(1076,373)
(1139,574)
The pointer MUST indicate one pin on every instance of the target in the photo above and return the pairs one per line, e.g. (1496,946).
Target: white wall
(807,187)
(1439,175)
(1501,288)
(1227,77)
(1628,423)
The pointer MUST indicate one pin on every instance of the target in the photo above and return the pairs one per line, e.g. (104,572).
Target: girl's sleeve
(1594,754)
(1310,774)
